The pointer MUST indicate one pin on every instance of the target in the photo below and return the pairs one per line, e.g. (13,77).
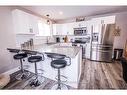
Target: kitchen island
(72,72)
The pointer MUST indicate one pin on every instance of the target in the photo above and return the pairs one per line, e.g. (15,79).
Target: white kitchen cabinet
(79,24)
(33,24)
(54,29)
(67,29)
(108,20)
(104,20)
(57,29)
(70,29)
(63,29)
(24,23)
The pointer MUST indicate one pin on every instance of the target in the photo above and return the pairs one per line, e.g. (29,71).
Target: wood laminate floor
(95,75)
(25,83)
(100,75)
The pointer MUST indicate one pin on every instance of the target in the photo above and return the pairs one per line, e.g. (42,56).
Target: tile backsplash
(20,39)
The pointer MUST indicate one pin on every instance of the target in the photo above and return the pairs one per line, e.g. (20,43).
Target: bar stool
(20,56)
(34,58)
(58,62)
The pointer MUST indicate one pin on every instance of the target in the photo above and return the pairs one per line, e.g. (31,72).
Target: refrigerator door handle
(101,33)
(103,28)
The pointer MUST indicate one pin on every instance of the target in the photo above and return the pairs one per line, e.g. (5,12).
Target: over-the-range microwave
(80,31)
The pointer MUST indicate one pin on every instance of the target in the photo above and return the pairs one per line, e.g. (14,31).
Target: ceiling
(73,11)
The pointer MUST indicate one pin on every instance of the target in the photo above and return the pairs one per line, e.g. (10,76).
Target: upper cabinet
(63,29)
(79,24)
(57,29)
(67,28)
(98,22)
(108,20)
(24,23)
(104,20)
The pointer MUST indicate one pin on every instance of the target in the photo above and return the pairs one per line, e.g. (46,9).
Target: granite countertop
(70,51)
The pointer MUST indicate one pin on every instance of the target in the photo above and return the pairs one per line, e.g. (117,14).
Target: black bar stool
(34,58)
(58,62)
(13,50)
(20,56)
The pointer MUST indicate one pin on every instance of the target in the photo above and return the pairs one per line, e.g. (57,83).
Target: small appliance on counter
(57,39)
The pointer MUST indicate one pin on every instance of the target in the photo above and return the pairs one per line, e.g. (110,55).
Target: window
(44,29)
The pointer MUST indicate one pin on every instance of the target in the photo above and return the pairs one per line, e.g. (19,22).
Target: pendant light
(48,21)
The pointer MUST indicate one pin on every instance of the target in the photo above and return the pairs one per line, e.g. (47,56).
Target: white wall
(121,21)
(7,39)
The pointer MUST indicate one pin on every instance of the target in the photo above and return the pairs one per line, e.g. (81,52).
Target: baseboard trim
(11,71)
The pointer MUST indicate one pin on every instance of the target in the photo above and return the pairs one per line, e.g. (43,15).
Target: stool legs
(59,81)
(22,70)
(23,74)
(59,85)
(36,73)
(36,82)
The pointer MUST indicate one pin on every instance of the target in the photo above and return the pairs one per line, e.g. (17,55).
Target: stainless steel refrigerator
(102,43)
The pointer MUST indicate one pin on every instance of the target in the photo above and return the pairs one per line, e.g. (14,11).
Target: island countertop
(70,51)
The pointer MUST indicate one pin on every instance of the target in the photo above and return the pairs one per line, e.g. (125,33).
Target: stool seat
(58,64)
(20,56)
(13,50)
(33,59)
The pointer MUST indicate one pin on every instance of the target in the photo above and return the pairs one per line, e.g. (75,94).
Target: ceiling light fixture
(48,21)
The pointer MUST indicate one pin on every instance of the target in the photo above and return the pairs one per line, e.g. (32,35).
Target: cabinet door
(33,24)
(64,29)
(96,25)
(54,29)
(79,24)
(24,23)
(20,20)
(59,29)
(108,20)
(70,29)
